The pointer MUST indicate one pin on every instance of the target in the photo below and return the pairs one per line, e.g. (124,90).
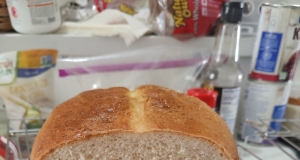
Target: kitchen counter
(264,152)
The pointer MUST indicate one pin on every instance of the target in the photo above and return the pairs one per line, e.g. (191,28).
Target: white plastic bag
(172,67)
(27,85)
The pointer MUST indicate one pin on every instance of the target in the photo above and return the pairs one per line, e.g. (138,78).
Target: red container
(205,95)
(13,153)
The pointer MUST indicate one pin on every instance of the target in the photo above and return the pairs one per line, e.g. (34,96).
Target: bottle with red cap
(223,74)
(205,95)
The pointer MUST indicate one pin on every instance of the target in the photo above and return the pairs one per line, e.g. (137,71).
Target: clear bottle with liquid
(223,73)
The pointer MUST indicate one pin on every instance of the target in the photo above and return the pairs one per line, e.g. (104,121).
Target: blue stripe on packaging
(279,112)
(32,72)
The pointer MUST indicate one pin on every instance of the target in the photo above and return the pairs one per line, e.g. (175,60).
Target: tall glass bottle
(223,73)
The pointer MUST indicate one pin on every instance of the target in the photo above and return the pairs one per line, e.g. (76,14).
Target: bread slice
(149,123)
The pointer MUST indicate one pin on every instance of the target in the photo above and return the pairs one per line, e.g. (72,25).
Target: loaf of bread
(148,123)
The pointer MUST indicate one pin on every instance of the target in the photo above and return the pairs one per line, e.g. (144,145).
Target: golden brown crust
(167,109)
(294,101)
(117,110)
(89,114)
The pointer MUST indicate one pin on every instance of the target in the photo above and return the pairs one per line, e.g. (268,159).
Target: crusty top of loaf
(116,110)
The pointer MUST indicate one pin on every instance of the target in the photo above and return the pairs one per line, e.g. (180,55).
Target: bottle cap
(205,95)
(232,12)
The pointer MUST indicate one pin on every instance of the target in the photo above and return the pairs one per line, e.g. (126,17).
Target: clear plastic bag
(136,8)
(184,18)
(77,10)
(127,6)
(173,67)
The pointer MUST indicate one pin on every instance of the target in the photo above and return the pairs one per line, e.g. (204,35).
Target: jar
(34,17)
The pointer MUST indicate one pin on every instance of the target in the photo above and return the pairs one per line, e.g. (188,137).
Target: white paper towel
(110,23)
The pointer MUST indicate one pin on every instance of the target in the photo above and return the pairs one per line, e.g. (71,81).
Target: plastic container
(34,17)
(207,96)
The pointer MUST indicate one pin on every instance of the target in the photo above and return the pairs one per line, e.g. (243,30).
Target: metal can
(262,101)
(277,46)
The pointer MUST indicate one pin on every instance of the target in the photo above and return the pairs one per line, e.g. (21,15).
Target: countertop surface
(265,152)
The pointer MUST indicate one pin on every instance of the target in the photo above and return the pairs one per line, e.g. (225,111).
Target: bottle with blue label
(223,73)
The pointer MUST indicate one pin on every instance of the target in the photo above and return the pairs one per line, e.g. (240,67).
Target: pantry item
(205,95)
(34,17)
(184,18)
(263,101)
(5,24)
(26,85)
(222,73)
(277,46)
(150,122)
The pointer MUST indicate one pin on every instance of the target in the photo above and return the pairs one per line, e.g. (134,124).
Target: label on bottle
(269,52)
(39,12)
(227,105)
(42,11)
(262,101)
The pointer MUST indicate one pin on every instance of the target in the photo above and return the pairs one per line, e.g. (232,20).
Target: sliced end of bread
(155,145)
